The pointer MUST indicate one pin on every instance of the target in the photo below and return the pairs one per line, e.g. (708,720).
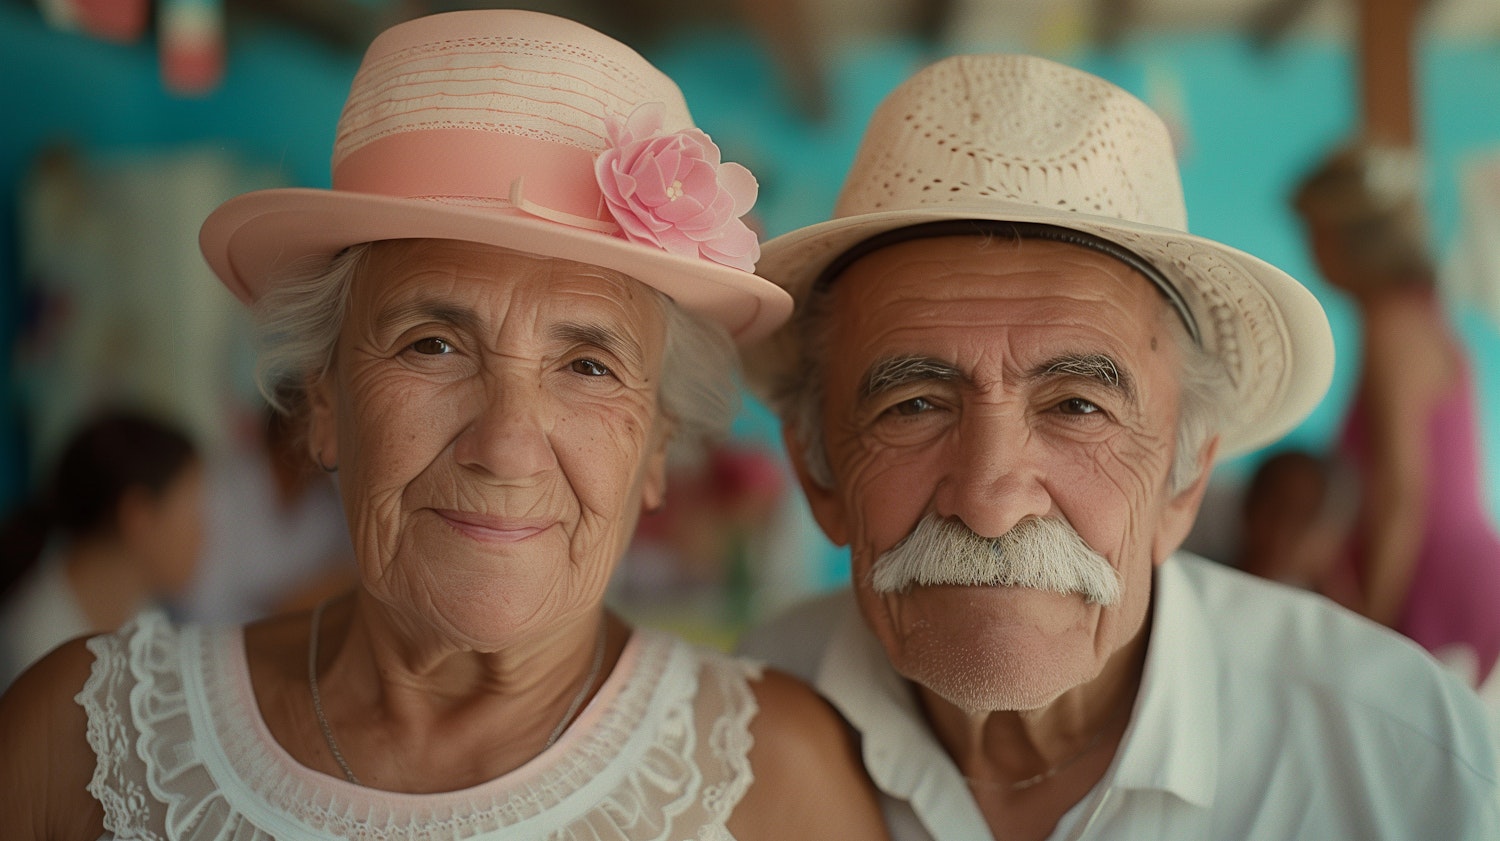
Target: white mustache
(1039,553)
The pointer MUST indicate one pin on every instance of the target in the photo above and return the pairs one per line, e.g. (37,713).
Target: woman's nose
(507,437)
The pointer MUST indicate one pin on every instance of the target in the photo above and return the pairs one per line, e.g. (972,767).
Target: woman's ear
(322,422)
(654,482)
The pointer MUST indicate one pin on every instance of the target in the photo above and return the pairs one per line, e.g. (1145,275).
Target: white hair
(298,322)
(297,325)
(700,390)
(1202,407)
(799,388)
(1040,553)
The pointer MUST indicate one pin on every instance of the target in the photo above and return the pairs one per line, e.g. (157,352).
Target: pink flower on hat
(670,190)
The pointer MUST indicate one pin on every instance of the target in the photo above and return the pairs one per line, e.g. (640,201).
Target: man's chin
(991,647)
(999,670)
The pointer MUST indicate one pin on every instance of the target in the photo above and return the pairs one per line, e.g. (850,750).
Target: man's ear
(1182,510)
(827,507)
(322,422)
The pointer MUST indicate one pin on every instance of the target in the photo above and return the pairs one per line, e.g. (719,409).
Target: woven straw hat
(1019,138)
(526,131)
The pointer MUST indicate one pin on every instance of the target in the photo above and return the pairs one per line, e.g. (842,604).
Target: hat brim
(1267,329)
(252,239)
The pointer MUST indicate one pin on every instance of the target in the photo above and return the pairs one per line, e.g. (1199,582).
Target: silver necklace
(333,745)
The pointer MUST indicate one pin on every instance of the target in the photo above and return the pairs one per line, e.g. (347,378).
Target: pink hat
(525,131)
(1019,139)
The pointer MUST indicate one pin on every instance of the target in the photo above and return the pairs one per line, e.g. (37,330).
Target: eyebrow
(460,317)
(896,371)
(605,338)
(1098,367)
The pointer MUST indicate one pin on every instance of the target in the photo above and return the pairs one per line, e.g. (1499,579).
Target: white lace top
(660,753)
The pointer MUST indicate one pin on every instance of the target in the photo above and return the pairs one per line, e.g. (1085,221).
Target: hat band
(420,164)
(1022,230)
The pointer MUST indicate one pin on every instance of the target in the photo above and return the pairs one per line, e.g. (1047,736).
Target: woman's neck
(411,718)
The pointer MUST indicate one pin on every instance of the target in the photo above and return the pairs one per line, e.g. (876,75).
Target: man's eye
(1077,406)
(431,346)
(914,406)
(589,368)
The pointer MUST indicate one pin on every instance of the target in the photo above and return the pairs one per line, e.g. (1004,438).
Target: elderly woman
(516,299)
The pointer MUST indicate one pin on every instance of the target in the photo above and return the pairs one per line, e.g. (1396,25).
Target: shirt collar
(1173,741)
(903,757)
(1171,745)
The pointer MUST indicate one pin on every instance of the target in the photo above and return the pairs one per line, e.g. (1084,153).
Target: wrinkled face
(495,422)
(973,382)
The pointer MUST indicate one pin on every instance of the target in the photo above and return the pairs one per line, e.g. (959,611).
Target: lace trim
(106,698)
(729,738)
(661,753)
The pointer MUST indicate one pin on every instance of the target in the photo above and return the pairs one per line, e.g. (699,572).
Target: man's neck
(1027,768)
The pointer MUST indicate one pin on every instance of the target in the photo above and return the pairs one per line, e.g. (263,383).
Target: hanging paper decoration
(190,34)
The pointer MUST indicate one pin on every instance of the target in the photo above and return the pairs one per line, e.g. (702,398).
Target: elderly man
(1010,373)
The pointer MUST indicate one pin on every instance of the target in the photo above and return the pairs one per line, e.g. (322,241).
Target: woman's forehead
(405,273)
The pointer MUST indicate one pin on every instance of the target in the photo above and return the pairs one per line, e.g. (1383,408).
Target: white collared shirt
(1264,714)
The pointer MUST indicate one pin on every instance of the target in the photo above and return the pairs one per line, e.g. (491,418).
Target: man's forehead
(954,282)
(985,317)
(924,253)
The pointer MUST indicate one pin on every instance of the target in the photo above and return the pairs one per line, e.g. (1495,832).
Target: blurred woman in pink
(1423,556)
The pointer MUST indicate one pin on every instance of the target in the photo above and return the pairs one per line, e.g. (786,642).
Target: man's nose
(994,476)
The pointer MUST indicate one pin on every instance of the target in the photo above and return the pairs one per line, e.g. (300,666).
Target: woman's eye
(1078,406)
(914,406)
(431,346)
(589,368)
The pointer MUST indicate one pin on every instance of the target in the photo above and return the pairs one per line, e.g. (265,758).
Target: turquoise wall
(1253,120)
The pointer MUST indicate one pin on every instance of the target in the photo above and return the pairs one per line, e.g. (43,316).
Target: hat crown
(520,130)
(970,130)
(516,73)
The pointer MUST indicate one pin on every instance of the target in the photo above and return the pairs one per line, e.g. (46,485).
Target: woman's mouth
(489,529)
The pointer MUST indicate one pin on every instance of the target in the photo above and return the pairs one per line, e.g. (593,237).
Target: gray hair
(298,322)
(297,326)
(798,392)
(1042,553)
(700,390)
(1207,393)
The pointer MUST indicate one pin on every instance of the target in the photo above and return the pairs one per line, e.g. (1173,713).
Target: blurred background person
(276,538)
(1423,556)
(1295,517)
(118,527)
(1393,522)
